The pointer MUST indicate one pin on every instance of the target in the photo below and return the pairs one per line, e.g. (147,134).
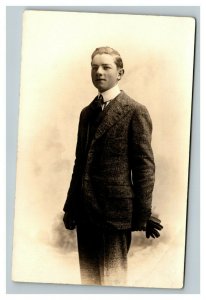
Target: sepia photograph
(103,150)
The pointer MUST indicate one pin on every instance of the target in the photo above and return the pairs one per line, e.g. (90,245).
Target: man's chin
(100,85)
(101,89)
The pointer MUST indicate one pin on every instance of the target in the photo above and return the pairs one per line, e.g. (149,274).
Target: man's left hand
(153,227)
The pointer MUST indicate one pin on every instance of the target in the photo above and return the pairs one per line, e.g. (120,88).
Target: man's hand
(69,223)
(152,227)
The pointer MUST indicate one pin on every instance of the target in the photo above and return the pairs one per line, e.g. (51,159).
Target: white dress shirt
(110,95)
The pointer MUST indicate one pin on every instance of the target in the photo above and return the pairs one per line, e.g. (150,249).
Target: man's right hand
(69,222)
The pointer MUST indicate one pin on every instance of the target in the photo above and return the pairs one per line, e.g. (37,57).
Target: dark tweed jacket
(113,176)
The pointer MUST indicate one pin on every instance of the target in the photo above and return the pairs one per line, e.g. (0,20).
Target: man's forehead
(103,59)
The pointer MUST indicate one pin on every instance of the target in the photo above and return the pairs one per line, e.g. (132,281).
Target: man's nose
(99,70)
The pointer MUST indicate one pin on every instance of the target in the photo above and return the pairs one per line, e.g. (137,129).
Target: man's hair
(108,50)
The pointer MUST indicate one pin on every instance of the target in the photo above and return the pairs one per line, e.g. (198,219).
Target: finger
(158,226)
(154,219)
(152,235)
(156,233)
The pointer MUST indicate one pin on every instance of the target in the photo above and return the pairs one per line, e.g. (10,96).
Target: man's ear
(120,74)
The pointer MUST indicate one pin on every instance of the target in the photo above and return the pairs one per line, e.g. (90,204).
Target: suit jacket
(113,175)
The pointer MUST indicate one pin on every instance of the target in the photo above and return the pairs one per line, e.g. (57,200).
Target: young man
(110,194)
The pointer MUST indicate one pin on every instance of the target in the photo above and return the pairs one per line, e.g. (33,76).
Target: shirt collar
(111,93)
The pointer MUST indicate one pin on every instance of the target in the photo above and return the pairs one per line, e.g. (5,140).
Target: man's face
(105,73)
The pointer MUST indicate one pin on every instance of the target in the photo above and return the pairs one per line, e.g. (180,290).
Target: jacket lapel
(115,111)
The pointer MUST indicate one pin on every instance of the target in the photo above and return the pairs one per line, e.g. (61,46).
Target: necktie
(102,102)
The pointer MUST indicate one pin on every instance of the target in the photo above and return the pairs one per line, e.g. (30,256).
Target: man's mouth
(100,79)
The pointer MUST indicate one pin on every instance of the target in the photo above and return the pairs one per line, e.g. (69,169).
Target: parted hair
(108,50)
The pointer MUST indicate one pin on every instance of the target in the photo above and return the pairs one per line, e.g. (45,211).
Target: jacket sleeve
(142,164)
(75,184)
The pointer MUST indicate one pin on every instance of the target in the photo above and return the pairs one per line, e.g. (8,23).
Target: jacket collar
(113,112)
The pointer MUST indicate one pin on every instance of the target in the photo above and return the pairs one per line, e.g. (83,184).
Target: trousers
(103,255)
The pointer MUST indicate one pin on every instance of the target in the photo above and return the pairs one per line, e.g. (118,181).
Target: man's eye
(105,68)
